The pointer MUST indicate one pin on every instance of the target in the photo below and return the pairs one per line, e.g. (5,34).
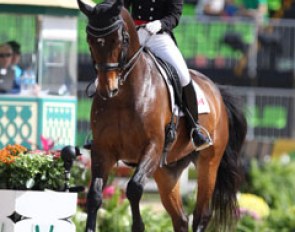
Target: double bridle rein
(123,65)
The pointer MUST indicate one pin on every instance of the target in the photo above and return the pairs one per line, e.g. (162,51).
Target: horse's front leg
(135,186)
(100,168)
(94,201)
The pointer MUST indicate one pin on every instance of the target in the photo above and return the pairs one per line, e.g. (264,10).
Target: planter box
(37,211)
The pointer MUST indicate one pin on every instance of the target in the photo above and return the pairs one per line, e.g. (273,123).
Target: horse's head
(108,39)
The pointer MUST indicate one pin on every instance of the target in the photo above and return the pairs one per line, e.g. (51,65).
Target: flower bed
(31,197)
(37,170)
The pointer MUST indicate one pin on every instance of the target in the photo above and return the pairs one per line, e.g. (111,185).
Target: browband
(104,31)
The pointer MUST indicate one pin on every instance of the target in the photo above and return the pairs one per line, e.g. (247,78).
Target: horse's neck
(137,82)
(134,40)
(139,78)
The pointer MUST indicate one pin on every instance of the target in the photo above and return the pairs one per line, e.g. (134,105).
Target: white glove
(154,26)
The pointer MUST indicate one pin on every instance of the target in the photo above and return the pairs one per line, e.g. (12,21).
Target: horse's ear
(85,8)
(116,7)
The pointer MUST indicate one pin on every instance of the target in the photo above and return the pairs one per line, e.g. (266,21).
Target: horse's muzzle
(113,92)
(112,85)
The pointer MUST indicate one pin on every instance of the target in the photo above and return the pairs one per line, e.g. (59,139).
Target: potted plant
(32,191)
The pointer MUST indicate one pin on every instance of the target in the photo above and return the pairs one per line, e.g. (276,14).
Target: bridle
(123,65)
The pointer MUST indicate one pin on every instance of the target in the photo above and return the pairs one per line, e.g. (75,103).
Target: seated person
(7,74)
(16,48)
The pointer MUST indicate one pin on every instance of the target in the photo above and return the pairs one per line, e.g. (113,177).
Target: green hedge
(21,28)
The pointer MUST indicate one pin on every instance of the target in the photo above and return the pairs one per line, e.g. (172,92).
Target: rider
(160,17)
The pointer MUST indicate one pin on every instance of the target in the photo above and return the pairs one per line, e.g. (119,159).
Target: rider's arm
(174,11)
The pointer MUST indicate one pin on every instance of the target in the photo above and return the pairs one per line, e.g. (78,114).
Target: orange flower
(15,149)
(10,152)
(5,157)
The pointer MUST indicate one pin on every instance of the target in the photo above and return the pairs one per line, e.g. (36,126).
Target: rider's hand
(154,26)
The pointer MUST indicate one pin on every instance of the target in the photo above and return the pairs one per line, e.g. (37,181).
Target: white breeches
(163,46)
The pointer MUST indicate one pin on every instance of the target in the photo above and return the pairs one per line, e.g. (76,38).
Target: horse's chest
(120,131)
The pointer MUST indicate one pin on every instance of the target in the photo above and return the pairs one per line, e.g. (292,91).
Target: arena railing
(269,112)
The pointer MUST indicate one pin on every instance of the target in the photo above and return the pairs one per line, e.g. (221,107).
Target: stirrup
(198,129)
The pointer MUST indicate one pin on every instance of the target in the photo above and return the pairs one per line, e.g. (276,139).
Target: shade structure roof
(70,4)
(40,6)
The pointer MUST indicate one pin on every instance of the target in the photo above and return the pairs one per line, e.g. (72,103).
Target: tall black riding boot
(189,98)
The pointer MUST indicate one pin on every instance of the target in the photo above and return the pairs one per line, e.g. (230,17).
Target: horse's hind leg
(168,185)
(208,163)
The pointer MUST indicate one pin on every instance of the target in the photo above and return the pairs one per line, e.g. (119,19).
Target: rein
(128,67)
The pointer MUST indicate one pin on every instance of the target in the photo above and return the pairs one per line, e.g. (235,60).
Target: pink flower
(47,144)
(109,191)
(252,214)
(56,154)
(38,152)
(84,160)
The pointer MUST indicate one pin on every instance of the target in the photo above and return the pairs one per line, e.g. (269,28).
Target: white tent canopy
(68,4)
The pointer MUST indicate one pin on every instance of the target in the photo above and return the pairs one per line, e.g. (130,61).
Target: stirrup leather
(199,128)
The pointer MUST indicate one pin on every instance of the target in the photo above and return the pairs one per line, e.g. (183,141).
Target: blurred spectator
(16,48)
(256,9)
(210,7)
(231,8)
(7,74)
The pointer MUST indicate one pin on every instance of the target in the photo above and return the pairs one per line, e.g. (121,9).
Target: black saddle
(173,77)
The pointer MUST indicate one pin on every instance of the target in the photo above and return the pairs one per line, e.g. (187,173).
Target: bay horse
(129,113)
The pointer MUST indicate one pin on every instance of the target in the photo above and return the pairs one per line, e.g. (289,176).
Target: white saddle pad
(203,106)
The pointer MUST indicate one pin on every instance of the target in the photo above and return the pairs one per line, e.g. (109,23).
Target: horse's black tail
(224,201)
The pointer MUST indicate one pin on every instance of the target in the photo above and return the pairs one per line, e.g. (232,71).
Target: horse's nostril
(113,92)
